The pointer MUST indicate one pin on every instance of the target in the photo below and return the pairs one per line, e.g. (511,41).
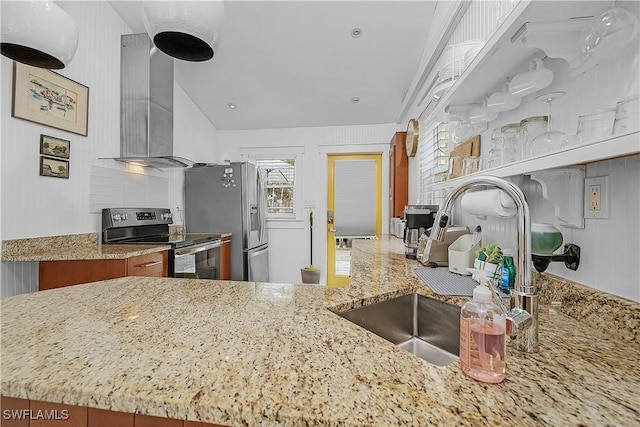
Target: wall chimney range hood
(146,104)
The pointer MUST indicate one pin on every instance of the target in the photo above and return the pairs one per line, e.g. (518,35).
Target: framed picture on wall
(54,167)
(56,147)
(48,98)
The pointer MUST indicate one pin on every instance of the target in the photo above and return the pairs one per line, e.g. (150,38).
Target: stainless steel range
(192,255)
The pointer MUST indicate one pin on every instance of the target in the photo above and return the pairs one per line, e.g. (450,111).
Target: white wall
(38,206)
(289,240)
(35,206)
(41,206)
(193,133)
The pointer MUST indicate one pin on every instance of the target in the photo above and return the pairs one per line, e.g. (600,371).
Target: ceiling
(295,64)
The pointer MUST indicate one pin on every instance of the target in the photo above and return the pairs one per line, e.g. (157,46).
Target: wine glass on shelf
(607,34)
(551,139)
(463,129)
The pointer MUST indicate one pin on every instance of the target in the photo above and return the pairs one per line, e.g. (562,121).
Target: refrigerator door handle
(258,265)
(264,209)
(262,203)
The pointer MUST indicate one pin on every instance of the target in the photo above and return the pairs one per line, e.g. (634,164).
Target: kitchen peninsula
(238,353)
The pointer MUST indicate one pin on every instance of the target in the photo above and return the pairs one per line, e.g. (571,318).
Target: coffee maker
(417,218)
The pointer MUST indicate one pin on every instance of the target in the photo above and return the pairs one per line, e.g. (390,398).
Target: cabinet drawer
(150,265)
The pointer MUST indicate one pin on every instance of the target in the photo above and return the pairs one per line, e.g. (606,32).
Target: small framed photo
(54,167)
(55,147)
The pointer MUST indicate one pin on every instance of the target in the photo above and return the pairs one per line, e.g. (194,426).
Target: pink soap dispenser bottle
(482,338)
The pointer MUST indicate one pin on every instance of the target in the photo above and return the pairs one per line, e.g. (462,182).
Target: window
(433,158)
(282,167)
(281,186)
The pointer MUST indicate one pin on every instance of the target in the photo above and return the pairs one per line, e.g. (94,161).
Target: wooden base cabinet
(57,274)
(35,413)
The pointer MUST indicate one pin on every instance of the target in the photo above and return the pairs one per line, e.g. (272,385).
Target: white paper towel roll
(494,202)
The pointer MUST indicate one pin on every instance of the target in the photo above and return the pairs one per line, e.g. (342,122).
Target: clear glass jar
(529,129)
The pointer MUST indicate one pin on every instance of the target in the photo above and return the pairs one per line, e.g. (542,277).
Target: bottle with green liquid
(507,271)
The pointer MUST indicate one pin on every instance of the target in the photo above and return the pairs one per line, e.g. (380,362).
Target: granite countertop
(75,247)
(71,247)
(243,353)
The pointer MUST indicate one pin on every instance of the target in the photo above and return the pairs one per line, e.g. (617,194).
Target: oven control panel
(131,217)
(145,216)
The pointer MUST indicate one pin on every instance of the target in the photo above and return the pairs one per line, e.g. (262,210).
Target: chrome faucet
(522,318)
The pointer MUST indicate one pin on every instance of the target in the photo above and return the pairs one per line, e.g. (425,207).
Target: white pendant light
(38,33)
(186,30)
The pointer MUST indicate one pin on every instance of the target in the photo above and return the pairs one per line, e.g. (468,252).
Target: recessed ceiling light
(232,105)
(356,32)
(355,99)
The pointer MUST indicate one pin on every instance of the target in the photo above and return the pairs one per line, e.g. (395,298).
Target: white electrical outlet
(596,198)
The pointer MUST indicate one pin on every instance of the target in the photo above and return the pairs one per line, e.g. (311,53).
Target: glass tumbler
(455,167)
(596,126)
(627,115)
(494,156)
(470,165)
(510,149)
(484,161)
(529,129)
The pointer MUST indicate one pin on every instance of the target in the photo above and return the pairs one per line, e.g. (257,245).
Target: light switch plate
(596,197)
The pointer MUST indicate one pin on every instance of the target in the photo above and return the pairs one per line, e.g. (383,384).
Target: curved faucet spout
(523,296)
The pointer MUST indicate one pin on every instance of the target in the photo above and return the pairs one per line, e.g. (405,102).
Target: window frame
(296,153)
(431,161)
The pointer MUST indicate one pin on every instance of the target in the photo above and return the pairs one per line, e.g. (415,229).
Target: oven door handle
(197,248)
(150,264)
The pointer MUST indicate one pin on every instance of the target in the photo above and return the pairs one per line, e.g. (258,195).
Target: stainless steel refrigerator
(231,199)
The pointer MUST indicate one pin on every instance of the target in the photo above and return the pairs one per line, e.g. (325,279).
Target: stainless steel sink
(428,328)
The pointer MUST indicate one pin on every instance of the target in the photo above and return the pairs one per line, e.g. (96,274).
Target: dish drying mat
(443,282)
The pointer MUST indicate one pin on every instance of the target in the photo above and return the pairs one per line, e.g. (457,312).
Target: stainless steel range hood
(146,104)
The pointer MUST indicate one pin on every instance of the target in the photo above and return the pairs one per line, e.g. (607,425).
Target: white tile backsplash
(112,188)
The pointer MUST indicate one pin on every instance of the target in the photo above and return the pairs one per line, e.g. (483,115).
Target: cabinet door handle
(150,264)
